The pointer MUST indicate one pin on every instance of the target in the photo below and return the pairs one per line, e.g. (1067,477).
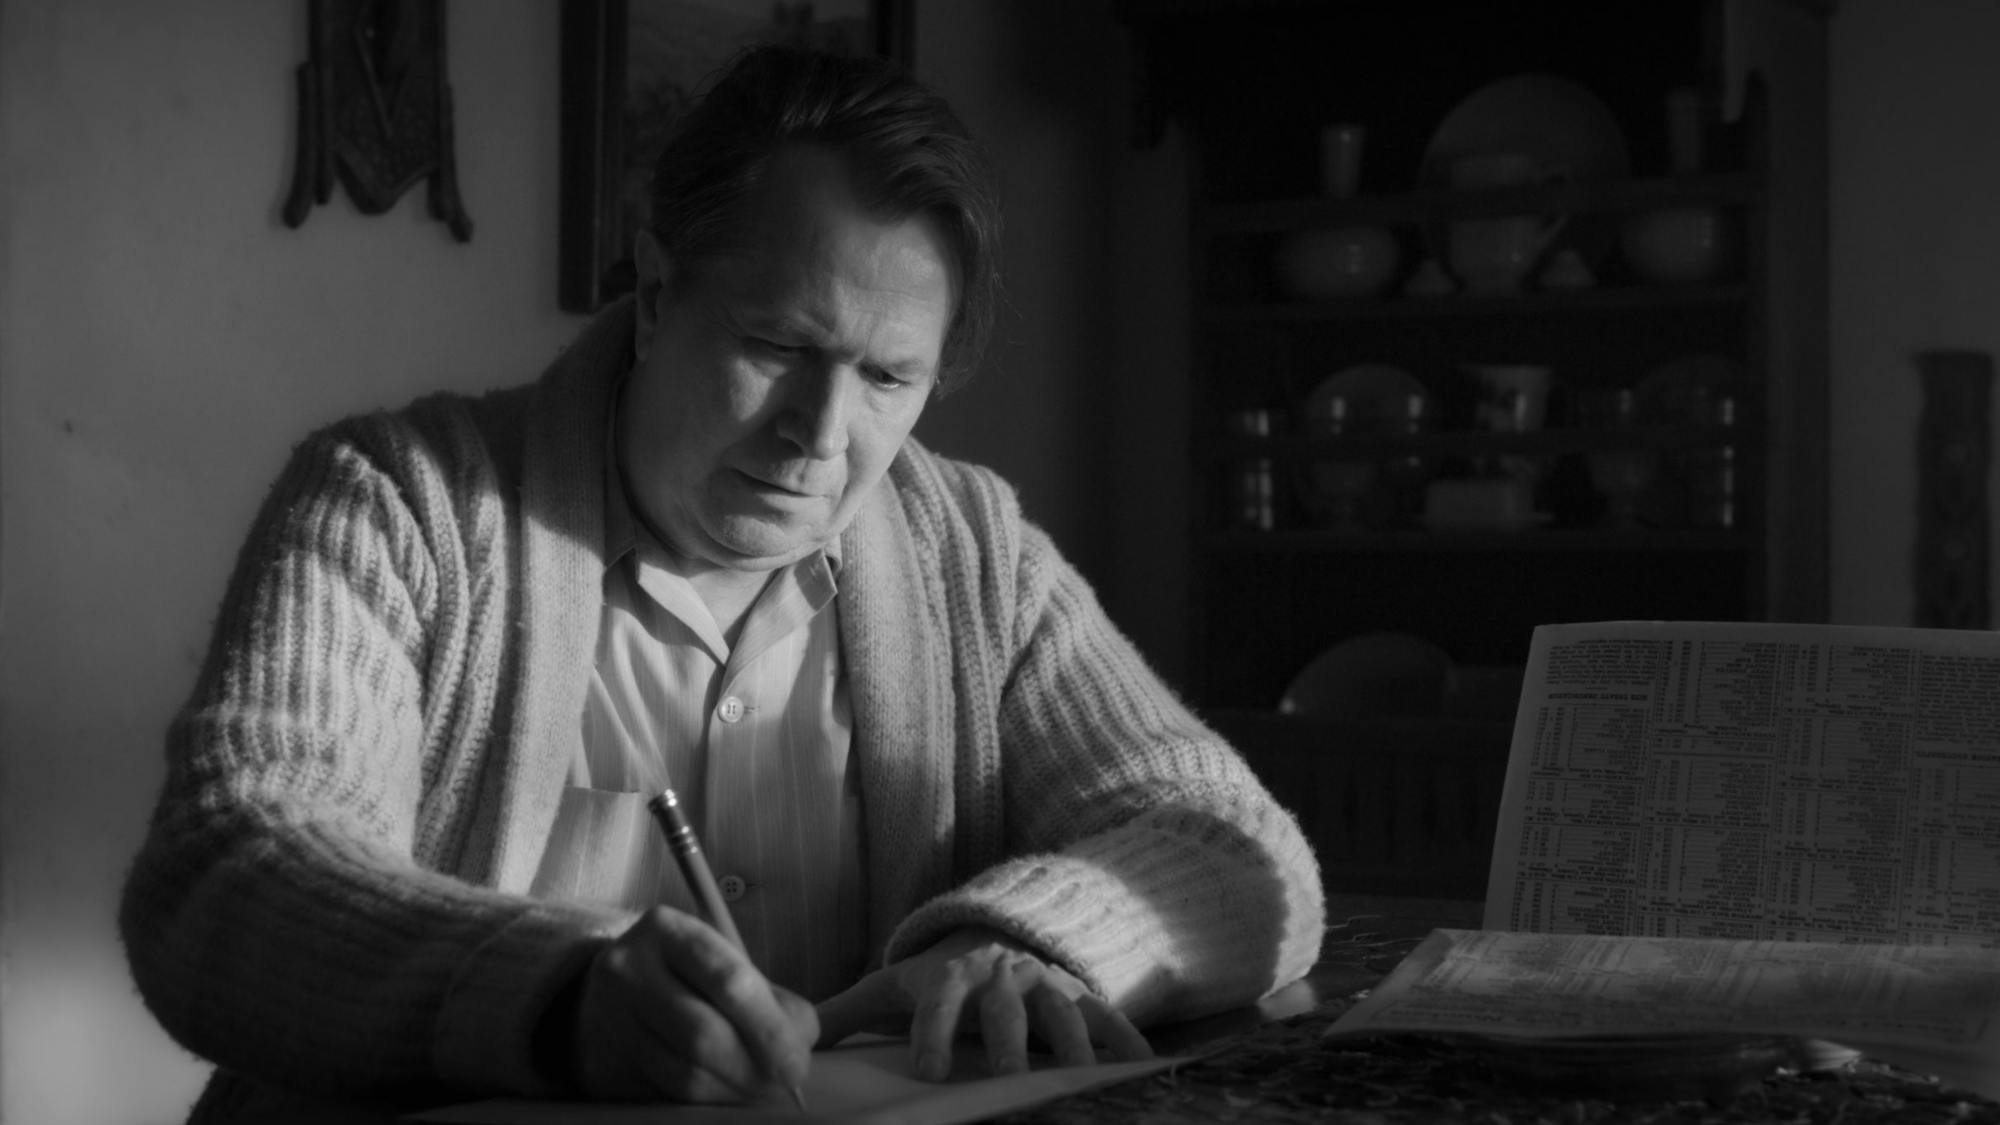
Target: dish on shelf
(1520,521)
(1699,389)
(1559,123)
(1367,397)
(1488,503)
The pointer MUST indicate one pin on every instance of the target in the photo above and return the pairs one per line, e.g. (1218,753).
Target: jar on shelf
(1712,474)
(1253,481)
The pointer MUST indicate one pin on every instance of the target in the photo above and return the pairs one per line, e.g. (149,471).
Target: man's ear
(655,272)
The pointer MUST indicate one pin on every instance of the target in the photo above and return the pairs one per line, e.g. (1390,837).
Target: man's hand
(672,1010)
(980,978)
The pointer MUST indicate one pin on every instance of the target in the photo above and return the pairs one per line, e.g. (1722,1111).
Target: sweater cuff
(485,1034)
(1064,907)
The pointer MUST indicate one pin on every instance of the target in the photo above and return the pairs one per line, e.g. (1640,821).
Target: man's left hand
(981,978)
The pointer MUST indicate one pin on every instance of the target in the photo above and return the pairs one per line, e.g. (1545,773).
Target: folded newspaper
(1741,828)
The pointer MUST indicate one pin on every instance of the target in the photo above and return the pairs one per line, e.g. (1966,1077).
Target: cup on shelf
(1340,146)
(1495,255)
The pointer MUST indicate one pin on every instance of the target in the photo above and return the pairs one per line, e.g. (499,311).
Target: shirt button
(733,887)
(731,710)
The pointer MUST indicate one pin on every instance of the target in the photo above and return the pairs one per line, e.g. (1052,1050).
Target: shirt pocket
(605,849)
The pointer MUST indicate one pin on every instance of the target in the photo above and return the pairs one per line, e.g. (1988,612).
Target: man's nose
(815,418)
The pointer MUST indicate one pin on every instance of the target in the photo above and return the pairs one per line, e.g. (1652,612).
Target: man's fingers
(1109,1027)
(1003,1019)
(778,1042)
(683,1080)
(1061,1024)
(798,1011)
(862,1007)
(683,1039)
(934,1023)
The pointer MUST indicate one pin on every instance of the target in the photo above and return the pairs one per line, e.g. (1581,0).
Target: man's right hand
(671,1010)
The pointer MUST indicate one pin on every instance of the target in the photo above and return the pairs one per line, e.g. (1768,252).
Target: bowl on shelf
(1337,263)
(1678,245)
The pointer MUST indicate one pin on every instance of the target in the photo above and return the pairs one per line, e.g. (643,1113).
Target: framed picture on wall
(629,67)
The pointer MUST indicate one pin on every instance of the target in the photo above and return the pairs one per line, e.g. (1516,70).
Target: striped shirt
(755,739)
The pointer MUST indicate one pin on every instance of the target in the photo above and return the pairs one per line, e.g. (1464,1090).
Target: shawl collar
(895,642)
(561,575)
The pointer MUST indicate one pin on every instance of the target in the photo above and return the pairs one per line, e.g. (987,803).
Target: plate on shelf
(1378,398)
(1558,122)
(1687,390)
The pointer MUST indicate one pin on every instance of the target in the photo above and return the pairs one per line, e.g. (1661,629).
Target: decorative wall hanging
(375,109)
(628,68)
(1953,451)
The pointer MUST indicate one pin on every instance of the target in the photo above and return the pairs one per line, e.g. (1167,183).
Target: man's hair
(908,152)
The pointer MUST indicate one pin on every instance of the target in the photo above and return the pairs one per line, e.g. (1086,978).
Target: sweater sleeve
(1147,857)
(286,916)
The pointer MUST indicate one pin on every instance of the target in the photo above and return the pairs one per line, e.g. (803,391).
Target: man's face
(775,385)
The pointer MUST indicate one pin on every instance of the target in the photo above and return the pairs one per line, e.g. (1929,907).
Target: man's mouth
(803,493)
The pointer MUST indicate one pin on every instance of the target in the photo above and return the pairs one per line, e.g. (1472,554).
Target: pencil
(681,840)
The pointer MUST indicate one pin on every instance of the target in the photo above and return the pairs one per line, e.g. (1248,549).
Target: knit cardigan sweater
(332,897)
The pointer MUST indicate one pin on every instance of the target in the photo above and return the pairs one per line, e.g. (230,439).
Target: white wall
(163,341)
(1915,262)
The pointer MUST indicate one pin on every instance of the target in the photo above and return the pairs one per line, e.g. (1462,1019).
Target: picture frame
(626,65)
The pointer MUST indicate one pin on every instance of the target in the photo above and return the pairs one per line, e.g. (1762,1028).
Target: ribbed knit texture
(358,792)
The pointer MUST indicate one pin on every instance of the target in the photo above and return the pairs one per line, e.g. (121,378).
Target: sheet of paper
(1935,1009)
(865,1082)
(1754,781)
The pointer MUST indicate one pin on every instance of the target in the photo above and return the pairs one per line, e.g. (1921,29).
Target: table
(1282,1071)
(1271,1065)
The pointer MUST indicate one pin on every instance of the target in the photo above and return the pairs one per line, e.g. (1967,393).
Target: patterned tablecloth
(1285,1070)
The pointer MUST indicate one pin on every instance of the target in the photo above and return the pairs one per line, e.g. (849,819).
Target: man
(390,862)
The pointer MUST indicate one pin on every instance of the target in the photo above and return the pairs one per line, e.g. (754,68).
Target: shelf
(1412,539)
(1470,443)
(1248,87)
(1610,298)
(1726,189)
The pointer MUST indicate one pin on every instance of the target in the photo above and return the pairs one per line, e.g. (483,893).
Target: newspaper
(1780,828)
(1787,782)
(1934,1009)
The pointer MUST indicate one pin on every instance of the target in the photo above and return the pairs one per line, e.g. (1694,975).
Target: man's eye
(885,380)
(776,348)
